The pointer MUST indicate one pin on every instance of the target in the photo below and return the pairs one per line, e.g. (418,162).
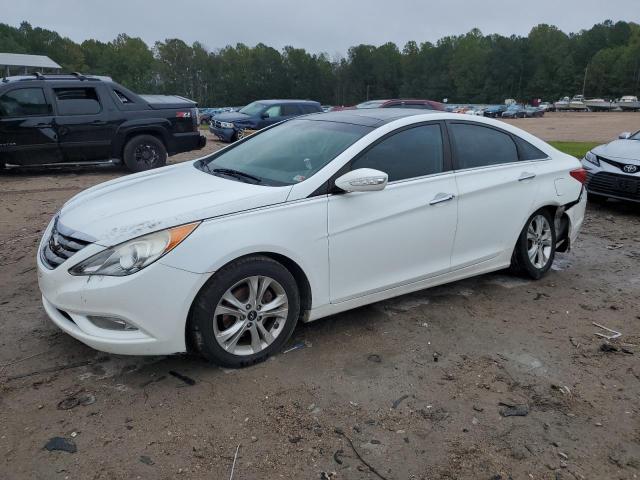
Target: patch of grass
(577,149)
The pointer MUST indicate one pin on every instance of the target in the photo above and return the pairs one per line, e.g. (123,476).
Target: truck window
(77,101)
(122,97)
(23,103)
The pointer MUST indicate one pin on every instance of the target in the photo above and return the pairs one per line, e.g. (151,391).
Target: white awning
(22,60)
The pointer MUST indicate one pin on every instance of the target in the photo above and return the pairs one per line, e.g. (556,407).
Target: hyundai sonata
(305,219)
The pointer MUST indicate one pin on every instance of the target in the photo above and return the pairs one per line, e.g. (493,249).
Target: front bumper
(608,183)
(224,134)
(155,300)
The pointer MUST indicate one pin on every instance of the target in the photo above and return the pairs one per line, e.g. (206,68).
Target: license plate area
(628,186)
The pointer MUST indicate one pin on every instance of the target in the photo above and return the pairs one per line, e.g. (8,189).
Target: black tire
(144,152)
(200,328)
(521,264)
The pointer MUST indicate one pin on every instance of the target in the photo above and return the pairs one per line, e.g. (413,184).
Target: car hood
(231,117)
(134,205)
(620,149)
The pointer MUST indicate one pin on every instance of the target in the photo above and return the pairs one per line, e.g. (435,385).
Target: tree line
(469,68)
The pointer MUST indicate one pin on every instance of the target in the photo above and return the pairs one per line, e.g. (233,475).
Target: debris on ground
(189,381)
(511,410)
(375,358)
(146,460)
(296,346)
(61,444)
(74,400)
(337,456)
(397,402)
(613,335)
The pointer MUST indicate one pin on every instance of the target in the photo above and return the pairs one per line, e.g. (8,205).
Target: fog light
(111,323)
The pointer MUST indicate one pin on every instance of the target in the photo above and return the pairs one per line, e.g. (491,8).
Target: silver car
(613,170)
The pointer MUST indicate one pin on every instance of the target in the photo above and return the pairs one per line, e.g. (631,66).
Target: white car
(305,219)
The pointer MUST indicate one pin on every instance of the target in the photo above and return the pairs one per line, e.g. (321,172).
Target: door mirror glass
(362,180)
(624,135)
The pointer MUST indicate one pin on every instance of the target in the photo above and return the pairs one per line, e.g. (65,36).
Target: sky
(330,26)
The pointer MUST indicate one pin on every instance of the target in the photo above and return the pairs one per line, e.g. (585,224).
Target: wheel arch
(302,281)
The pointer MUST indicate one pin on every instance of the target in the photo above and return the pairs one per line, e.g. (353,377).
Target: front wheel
(245,313)
(536,246)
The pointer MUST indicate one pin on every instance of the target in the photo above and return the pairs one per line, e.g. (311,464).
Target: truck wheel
(144,152)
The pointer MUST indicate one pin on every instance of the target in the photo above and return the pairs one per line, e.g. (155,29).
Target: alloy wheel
(539,241)
(146,154)
(250,315)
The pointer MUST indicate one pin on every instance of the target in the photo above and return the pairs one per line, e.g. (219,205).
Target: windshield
(254,108)
(371,104)
(287,153)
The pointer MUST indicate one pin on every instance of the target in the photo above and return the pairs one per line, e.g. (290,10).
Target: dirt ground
(580,126)
(411,388)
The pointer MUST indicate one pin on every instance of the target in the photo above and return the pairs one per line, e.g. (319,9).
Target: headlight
(226,125)
(592,158)
(133,255)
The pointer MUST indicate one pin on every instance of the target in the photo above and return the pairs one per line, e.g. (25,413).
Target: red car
(397,103)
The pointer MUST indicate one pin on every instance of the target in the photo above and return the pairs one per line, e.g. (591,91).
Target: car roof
(370,117)
(287,100)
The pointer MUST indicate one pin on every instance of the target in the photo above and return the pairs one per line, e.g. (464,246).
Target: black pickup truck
(78,119)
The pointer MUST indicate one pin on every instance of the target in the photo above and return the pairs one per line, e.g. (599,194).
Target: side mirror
(624,135)
(362,180)
(264,115)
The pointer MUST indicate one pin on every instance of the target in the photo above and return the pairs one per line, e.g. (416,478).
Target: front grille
(615,185)
(60,247)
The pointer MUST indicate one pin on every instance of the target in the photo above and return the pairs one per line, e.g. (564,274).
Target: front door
(402,234)
(27,128)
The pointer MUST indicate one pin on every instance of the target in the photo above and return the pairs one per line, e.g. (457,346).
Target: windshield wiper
(234,173)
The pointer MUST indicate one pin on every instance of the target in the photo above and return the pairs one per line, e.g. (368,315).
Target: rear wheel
(245,313)
(536,246)
(144,152)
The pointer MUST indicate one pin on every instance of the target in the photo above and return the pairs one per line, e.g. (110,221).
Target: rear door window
(410,153)
(24,102)
(528,151)
(77,101)
(480,146)
(290,109)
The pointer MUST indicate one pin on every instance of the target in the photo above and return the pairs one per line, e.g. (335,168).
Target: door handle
(442,197)
(526,176)
(98,122)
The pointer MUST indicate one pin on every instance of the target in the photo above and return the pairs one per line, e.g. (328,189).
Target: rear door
(84,126)
(496,189)
(404,233)
(27,128)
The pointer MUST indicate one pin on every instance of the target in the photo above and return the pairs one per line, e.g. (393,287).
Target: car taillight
(579,174)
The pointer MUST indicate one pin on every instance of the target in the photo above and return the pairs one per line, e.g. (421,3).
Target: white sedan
(311,217)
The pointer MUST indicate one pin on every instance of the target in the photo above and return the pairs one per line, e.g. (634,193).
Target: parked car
(77,119)
(398,103)
(305,219)
(231,126)
(546,107)
(613,170)
(514,111)
(495,111)
(533,112)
